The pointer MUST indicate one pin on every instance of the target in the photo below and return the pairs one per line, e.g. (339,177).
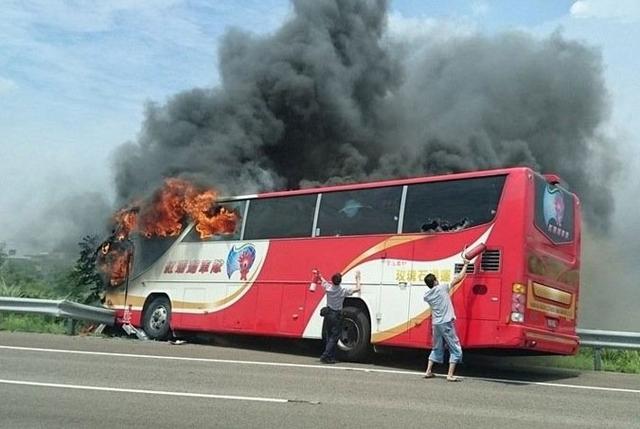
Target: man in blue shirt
(442,320)
(333,320)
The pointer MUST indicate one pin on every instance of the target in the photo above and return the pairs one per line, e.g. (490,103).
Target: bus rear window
(553,211)
(451,205)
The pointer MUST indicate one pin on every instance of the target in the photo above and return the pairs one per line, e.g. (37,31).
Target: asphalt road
(53,381)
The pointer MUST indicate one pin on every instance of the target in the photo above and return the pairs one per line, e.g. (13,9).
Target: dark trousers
(333,327)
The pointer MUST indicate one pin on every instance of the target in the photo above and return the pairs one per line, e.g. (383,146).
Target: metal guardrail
(58,308)
(599,340)
(609,339)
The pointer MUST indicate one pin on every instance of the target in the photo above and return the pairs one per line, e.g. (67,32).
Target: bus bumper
(546,341)
(538,340)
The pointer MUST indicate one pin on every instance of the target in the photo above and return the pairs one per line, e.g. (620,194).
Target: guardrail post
(597,358)
(70,326)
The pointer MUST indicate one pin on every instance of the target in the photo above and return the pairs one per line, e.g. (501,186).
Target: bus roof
(381,183)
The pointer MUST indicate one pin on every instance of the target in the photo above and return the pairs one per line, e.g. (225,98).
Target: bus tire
(355,340)
(156,318)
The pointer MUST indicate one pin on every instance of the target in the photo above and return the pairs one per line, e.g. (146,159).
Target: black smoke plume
(332,97)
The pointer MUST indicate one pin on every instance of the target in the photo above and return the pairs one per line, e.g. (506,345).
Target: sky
(75,77)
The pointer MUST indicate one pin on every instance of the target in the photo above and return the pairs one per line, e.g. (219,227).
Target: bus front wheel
(155,320)
(355,340)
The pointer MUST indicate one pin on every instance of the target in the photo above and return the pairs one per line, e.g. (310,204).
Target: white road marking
(147,392)
(545,383)
(325,367)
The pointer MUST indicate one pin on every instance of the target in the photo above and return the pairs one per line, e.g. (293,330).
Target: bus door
(392,316)
(282,289)
(292,312)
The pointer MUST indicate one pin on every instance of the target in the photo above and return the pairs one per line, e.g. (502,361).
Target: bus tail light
(518,299)
(517,317)
(519,288)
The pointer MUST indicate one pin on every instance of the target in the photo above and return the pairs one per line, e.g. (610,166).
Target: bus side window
(238,208)
(451,205)
(364,211)
(280,217)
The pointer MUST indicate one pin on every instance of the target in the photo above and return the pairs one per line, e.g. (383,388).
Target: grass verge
(627,361)
(31,323)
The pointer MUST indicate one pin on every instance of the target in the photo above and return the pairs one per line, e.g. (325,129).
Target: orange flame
(119,266)
(125,221)
(115,260)
(173,204)
(177,202)
(224,221)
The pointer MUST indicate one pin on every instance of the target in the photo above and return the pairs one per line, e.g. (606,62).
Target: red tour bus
(520,294)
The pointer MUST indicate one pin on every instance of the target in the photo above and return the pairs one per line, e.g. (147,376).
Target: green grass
(31,323)
(627,361)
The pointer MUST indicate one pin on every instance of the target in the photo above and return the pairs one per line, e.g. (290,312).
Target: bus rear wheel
(354,343)
(156,318)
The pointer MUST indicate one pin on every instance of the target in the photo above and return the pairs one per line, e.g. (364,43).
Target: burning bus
(243,264)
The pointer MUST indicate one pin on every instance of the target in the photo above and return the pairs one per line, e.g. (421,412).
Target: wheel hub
(349,335)
(158,318)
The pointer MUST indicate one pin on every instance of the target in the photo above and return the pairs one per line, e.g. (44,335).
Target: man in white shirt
(443,321)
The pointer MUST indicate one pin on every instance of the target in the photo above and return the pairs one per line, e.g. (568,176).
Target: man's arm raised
(461,275)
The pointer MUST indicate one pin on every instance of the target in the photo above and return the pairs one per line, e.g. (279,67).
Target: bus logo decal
(241,259)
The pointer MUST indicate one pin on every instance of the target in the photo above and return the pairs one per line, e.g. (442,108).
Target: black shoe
(327,360)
